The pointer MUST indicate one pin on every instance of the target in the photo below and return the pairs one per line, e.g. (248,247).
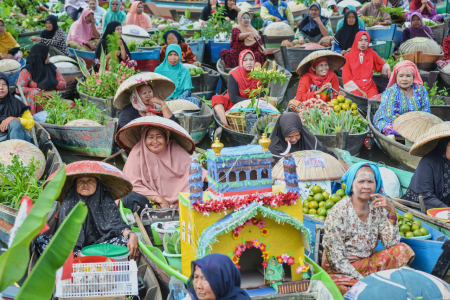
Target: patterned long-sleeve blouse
(347,239)
(58,41)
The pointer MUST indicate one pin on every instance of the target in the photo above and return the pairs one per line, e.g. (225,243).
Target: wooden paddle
(261,48)
(114,155)
(142,228)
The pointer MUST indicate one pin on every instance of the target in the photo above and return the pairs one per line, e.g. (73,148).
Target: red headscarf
(360,64)
(240,74)
(319,81)
(410,66)
(416,4)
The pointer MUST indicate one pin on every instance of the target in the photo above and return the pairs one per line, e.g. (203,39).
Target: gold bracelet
(164,107)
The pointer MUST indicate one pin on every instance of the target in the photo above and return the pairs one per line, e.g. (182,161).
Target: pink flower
(99,82)
(256,243)
(106,88)
(299,269)
(261,224)
(290,261)
(248,222)
(123,76)
(237,253)
(241,247)
(284,257)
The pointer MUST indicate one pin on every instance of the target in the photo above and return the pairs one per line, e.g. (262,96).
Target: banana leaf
(14,262)
(41,282)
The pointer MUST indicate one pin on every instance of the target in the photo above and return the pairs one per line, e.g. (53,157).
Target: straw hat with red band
(111,177)
(335,61)
(161,85)
(129,135)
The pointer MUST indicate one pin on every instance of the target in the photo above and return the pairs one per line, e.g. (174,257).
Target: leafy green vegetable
(216,24)
(398,11)
(370,21)
(434,95)
(187,13)
(132,46)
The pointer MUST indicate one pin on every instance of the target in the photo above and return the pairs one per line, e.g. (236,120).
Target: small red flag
(67,267)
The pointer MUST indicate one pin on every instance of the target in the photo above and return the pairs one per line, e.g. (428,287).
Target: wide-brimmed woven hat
(181,104)
(415,123)
(429,140)
(335,61)
(129,135)
(111,177)
(162,86)
(312,165)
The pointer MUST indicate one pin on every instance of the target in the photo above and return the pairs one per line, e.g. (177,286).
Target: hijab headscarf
(222,275)
(139,105)
(49,34)
(7,41)
(230,13)
(422,31)
(286,124)
(410,66)
(179,74)
(178,35)
(98,13)
(346,35)
(376,12)
(43,74)
(11,106)
(349,176)
(163,174)
(111,15)
(308,26)
(103,221)
(141,20)
(248,41)
(319,81)
(241,75)
(416,4)
(80,31)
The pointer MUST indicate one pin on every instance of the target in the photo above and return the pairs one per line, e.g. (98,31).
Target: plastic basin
(92,259)
(174,260)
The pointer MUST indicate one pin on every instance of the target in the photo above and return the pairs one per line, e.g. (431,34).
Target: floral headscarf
(138,104)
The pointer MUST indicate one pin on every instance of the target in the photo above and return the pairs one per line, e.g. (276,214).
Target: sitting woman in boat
(354,225)
(74,7)
(83,34)
(39,77)
(239,86)
(103,224)
(289,133)
(15,116)
(137,17)
(404,93)
(231,10)
(345,36)
(430,179)
(417,29)
(314,27)
(122,54)
(276,11)
(339,25)
(446,49)
(53,36)
(173,69)
(358,70)
(174,37)
(425,8)
(318,78)
(114,13)
(215,276)
(9,48)
(209,10)
(99,12)
(243,37)
(372,9)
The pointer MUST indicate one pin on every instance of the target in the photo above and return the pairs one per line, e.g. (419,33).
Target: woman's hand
(381,201)
(389,73)
(341,93)
(133,246)
(156,100)
(362,92)
(343,52)
(317,20)
(327,85)
(277,19)
(162,202)
(90,45)
(4,125)
(35,39)
(301,40)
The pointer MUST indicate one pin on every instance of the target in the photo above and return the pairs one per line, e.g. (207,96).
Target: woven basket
(413,124)
(237,121)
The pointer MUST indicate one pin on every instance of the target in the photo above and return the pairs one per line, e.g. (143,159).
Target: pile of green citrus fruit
(410,227)
(342,104)
(319,202)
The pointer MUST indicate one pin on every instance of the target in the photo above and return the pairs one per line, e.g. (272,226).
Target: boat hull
(196,125)
(355,142)
(231,137)
(424,61)
(197,47)
(105,104)
(24,39)
(290,58)
(205,84)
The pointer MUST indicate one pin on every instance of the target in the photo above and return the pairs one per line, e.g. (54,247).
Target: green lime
(348,101)
(323,218)
(341,193)
(322,211)
(312,211)
(405,228)
(409,234)
(318,197)
(329,204)
(313,204)
(316,189)
(306,203)
(417,232)
(328,211)
(305,210)
(335,198)
(326,196)
(402,233)
(316,216)
(343,186)
(321,203)
(418,223)
(408,217)
(424,231)
(414,227)
(310,198)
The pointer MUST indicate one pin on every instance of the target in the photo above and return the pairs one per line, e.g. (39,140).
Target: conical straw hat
(129,135)
(111,177)
(315,160)
(413,124)
(429,140)
(26,151)
(162,87)
(335,61)
(180,104)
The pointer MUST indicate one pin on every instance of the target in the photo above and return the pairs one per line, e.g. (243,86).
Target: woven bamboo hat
(111,177)
(162,86)
(129,135)
(312,165)
(180,104)
(429,140)
(26,151)
(335,61)
(413,124)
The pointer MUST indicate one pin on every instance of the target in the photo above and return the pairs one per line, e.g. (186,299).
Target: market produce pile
(196,71)
(410,227)
(319,202)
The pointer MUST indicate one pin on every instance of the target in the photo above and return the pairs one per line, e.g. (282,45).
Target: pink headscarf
(163,174)
(410,66)
(80,31)
(141,20)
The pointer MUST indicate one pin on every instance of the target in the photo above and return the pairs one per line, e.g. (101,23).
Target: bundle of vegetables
(331,122)
(370,21)
(313,103)
(157,38)
(196,71)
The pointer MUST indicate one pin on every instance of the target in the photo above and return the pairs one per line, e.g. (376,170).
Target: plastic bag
(185,21)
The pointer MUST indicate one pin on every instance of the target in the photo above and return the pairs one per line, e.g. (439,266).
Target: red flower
(265,264)
(290,261)
(255,221)
(235,259)
(264,231)
(262,247)
(249,244)
(238,266)
(279,260)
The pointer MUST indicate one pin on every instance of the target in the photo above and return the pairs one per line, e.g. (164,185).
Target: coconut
(296,7)
(425,45)
(9,65)
(278,29)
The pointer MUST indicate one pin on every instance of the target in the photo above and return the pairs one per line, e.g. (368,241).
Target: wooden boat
(445,76)
(41,139)
(72,83)
(290,58)
(197,47)
(439,32)
(13,75)
(231,137)
(205,84)
(223,71)
(106,104)
(212,51)
(196,124)
(173,10)
(24,39)
(424,61)
(334,21)
(352,142)
(146,60)
(272,43)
